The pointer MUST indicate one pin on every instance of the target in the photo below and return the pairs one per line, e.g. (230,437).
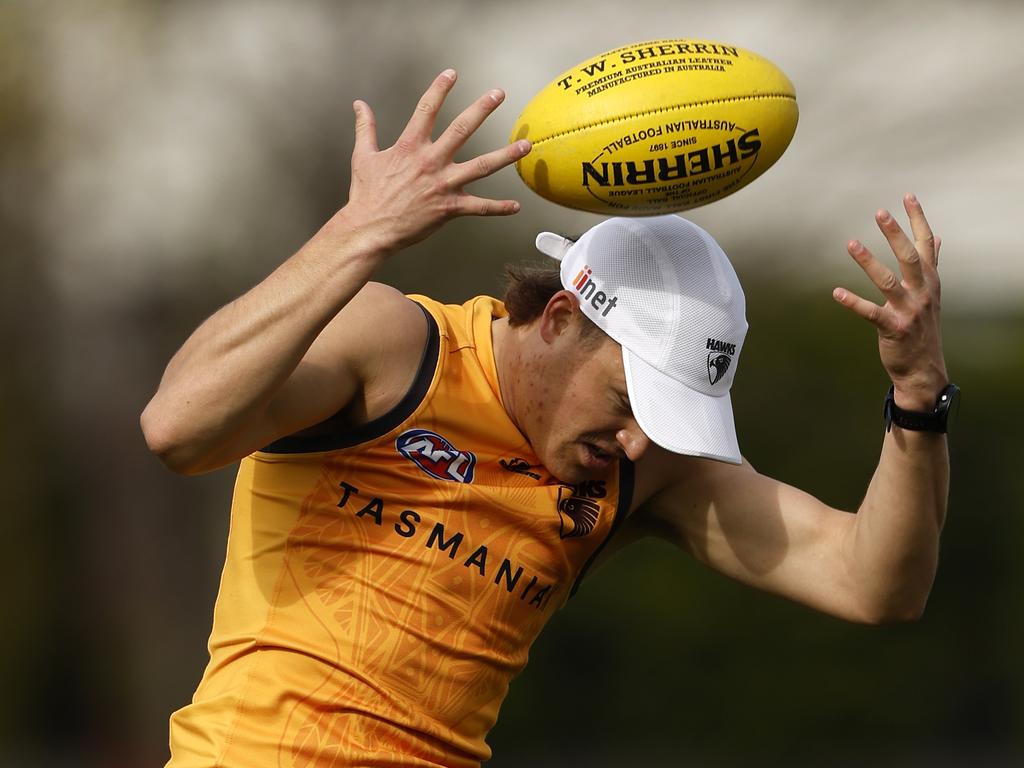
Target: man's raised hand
(909,334)
(410,189)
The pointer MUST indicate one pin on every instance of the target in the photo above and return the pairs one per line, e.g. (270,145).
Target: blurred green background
(158,159)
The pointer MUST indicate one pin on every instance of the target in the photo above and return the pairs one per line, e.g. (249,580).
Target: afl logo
(436,456)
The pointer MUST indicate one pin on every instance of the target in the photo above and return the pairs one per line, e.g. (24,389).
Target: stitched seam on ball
(659,110)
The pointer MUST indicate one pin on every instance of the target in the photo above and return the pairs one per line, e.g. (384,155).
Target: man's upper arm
(758,531)
(360,365)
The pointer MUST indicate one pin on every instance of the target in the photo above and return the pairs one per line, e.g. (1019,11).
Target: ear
(558,317)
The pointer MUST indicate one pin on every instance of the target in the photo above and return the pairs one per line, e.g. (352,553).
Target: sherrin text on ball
(656,127)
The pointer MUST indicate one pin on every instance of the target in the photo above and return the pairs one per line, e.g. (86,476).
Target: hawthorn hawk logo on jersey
(436,456)
(577,511)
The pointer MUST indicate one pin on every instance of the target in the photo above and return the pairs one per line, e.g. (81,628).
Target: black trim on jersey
(621,513)
(333,440)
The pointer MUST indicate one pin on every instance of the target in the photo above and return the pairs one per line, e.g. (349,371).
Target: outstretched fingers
(470,205)
(861,307)
(420,127)
(416,185)
(466,124)
(925,241)
(478,168)
(909,337)
(905,251)
(366,127)
(485,165)
(884,278)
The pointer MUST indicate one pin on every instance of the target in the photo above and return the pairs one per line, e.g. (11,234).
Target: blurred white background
(174,126)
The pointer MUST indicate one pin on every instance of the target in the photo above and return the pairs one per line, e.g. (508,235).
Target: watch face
(949,401)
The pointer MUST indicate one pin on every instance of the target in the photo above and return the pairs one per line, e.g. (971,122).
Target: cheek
(572,401)
(532,381)
(580,420)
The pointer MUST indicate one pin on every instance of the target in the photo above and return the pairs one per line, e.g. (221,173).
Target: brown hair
(529,288)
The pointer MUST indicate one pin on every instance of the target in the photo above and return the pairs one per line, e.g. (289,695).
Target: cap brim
(553,245)
(677,418)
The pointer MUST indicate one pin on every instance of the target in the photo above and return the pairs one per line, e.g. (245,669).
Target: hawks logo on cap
(436,456)
(717,366)
(719,359)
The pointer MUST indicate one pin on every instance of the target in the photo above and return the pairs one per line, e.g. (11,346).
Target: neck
(508,359)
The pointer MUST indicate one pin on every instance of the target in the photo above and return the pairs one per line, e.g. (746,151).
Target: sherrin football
(656,127)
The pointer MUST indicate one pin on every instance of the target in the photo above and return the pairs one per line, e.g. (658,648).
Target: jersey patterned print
(382,587)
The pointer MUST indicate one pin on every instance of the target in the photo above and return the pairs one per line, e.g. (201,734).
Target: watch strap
(920,421)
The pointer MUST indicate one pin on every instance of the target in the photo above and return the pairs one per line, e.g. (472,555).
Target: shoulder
(669,491)
(379,325)
(384,309)
(662,472)
(670,487)
(463,323)
(380,336)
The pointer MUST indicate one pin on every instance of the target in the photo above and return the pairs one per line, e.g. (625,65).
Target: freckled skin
(561,390)
(580,411)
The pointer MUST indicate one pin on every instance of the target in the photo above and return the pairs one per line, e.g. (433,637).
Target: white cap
(665,291)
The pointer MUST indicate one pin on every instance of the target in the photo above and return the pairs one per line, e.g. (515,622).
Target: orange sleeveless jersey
(382,587)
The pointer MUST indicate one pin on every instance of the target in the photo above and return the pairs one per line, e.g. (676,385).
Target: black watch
(935,421)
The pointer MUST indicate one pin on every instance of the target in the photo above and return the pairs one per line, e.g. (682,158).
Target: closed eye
(622,404)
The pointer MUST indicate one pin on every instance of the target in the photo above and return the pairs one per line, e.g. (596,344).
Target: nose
(633,441)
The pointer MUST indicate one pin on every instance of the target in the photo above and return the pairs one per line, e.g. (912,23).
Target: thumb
(366,127)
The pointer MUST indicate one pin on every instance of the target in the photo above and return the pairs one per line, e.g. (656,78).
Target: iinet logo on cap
(681,325)
(587,289)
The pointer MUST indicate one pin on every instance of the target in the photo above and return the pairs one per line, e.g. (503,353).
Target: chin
(571,463)
(572,472)
(564,471)
(572,476)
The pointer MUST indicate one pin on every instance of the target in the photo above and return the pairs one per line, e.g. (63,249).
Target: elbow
(894,593)
(166,442)
(885,613)
(890,617)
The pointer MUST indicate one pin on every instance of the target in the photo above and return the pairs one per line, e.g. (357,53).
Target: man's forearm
(210,403)
(894,547)
(231,366)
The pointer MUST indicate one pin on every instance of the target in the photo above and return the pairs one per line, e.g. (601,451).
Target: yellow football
(656,127)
